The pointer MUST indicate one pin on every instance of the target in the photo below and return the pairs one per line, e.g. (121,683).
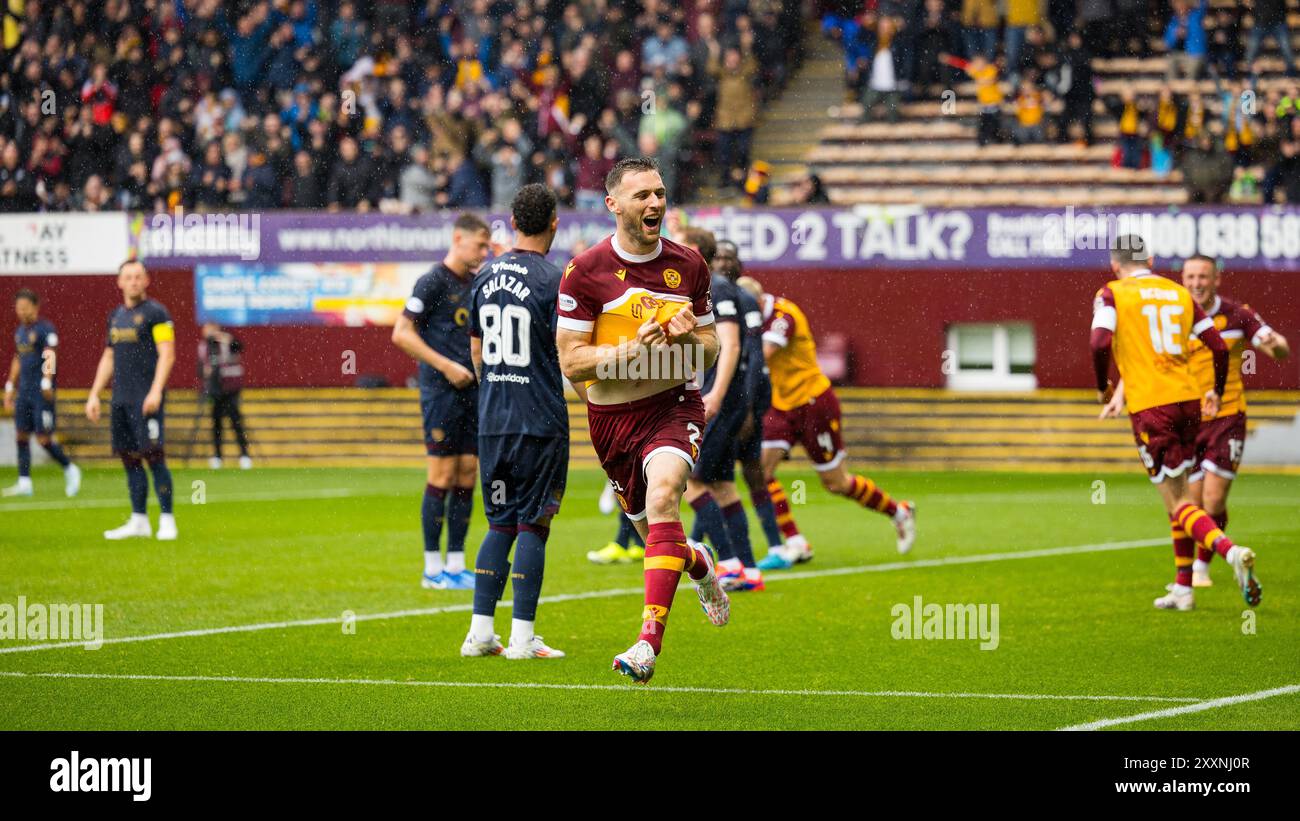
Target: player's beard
(640,234)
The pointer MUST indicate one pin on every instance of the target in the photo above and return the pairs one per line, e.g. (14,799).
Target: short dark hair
(1129,249)
(132,261)
(628,165)
(702,239)
(27,294)
(1214,263)
(533,208)
(470,222)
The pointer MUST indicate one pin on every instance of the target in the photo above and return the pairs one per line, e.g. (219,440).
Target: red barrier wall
(895,321)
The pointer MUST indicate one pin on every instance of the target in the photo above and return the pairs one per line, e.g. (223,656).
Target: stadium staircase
(904,428)
(930,158)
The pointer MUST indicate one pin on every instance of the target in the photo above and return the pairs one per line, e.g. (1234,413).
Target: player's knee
(155,457)
(22,437)
(662,500)
(835,481)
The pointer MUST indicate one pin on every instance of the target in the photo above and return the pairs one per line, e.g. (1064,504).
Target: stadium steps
(903,428)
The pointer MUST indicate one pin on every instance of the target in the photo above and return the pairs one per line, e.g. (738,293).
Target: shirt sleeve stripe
(579,325)
(775,339)
(707,319)
(1202,326)
(1260,334)
(1105,317)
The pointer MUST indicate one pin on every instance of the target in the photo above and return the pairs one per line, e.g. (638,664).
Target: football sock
(521,631)
(431,513)
(865,492)
(1200,526)
(491,569)
(627,533)
(24,458)
(459,508)
(1184,547)
(784,519)
(738,532)
(55,450)
(530,562)
(709,516)
(137,483)
(455,561)
(766,516)
(1204,556)
(666,556)
(482,628)
(162,481)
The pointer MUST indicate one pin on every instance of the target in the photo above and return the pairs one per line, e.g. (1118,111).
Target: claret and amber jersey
(797,379)
(1153,320)
(1237,324)
(610,293)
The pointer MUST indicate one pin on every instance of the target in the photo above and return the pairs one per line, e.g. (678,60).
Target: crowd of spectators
(1031,65)
(393,105)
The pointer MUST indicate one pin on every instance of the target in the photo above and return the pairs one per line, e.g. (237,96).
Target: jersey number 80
(505,335)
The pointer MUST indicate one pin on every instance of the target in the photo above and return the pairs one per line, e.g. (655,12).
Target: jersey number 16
(1165,327)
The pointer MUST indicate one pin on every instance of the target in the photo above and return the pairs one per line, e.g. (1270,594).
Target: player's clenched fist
(682,323)
(650,333)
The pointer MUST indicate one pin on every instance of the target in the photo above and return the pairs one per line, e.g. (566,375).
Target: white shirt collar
(629,257)
(1214,309)
(1142,272)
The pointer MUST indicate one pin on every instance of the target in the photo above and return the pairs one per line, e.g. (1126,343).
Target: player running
(805,409)
(1149,322)
(138,360)
(628,305)
(1222,438)
(29,393)
(523,424)
(434,330)
(711,489)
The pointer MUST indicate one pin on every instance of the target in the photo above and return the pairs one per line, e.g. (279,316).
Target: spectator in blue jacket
(1185,39)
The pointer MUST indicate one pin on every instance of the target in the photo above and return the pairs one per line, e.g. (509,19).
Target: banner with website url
(789,239)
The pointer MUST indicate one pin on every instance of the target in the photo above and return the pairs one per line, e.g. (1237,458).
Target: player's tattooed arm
(581,361)
(161,373)
(103,373)
(476,356)
(684,329)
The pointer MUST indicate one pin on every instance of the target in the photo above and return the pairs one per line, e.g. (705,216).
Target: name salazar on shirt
(672,362)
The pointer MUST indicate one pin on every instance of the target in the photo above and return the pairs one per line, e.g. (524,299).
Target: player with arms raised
(523,424)
(433,329)
(138,359)
(625,304)
(1222,438)
(1148,322)
(29,393)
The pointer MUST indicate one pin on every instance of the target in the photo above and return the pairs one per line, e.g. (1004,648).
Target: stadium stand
(1154,139)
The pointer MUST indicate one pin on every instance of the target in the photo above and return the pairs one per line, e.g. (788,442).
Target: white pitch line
(1199,707)
(183,499)
(599,594)
(506,685)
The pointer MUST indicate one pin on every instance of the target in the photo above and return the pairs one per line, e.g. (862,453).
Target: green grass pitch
(1079,641)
